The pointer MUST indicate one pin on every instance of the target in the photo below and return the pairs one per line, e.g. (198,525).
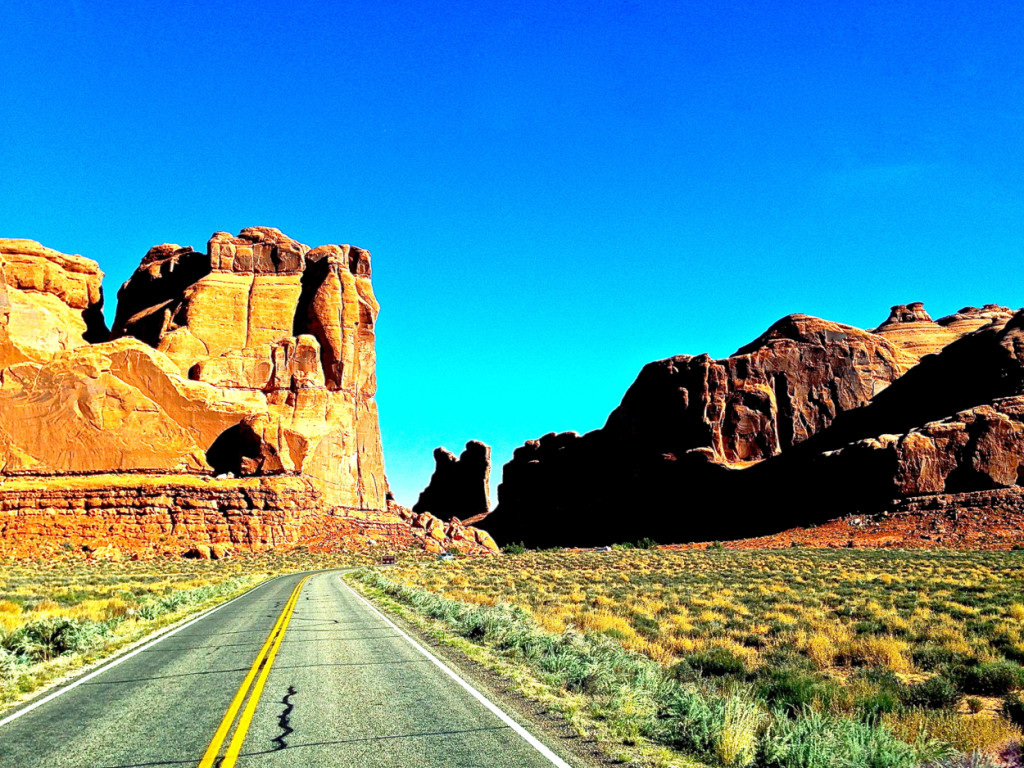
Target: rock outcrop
(252,360)
(810,421)
(50,302)
(684,422)
(279,335)
(970,319)
(201,516)
(459,487)
(771,394)
(910,327)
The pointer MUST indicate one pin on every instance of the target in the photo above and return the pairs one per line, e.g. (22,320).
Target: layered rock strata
(911,327)
(459,487)
(808,422)
(203,516)
(252,360)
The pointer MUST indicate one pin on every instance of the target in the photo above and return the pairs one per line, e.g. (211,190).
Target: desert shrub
(875,691)
(821,649)
(821,741)
(787,657)
(1013,708)
(974,705)
(872,704)
(976,759)
(52,636)
(934,693)
(714,728)
(9,662)
(989,678)
(885,651)
(879,676)
(647,543)
(689,719)
(933,657)
(717,661)
(514,549)
(789,689)
(645,625)
(735,740)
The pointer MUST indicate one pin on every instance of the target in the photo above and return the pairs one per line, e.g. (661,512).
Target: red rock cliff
(810,421)
(255,358)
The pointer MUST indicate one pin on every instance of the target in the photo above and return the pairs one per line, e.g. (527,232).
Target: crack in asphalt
(283,720)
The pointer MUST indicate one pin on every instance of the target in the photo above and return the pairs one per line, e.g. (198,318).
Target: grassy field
(784,657)
(60,614)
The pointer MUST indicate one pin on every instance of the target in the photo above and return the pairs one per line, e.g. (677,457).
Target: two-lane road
(345,688)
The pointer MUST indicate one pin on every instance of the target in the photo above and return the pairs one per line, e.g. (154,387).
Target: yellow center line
(270,647)
(250,708)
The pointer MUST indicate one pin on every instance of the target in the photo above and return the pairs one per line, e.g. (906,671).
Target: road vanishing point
(299,672)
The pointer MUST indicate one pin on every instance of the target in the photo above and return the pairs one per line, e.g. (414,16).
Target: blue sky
(553,193)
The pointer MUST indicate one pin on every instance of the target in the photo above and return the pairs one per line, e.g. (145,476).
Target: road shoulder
(506,684)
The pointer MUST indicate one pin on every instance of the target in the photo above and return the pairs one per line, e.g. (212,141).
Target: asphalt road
(345,688)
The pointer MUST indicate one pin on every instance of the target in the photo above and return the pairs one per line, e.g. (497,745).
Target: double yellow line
(264,661)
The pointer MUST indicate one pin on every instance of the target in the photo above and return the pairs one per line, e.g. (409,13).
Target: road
(341,686)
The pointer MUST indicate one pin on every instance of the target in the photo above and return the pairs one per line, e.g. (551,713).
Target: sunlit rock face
(277,342)
(231,405)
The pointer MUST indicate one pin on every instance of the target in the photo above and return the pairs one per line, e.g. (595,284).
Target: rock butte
(231,405)
(811,421)
(459,487)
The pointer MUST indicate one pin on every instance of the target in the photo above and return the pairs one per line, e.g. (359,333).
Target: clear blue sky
(554,193)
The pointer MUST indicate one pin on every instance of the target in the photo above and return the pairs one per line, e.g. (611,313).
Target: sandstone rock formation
(970,319)
(201,516)
(693,417)
(279,340)
(913,329)
(810,421)
(771,394)
(50,302)
(459,487)
(910,327)
(252,360)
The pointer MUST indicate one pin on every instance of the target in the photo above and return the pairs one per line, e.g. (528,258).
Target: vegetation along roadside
(786,658)
(61,614)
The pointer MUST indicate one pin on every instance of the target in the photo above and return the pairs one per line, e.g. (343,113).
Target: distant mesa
(811,421)
(459,487)
(232,403)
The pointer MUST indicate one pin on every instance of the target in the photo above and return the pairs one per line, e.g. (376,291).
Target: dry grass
(110,604)
(857,629)
(963,733)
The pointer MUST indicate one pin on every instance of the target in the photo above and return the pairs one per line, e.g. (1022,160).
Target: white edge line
(499,713)
(125,657)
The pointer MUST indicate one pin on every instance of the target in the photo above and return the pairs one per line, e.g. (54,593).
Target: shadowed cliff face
(459,487)
(810,421)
